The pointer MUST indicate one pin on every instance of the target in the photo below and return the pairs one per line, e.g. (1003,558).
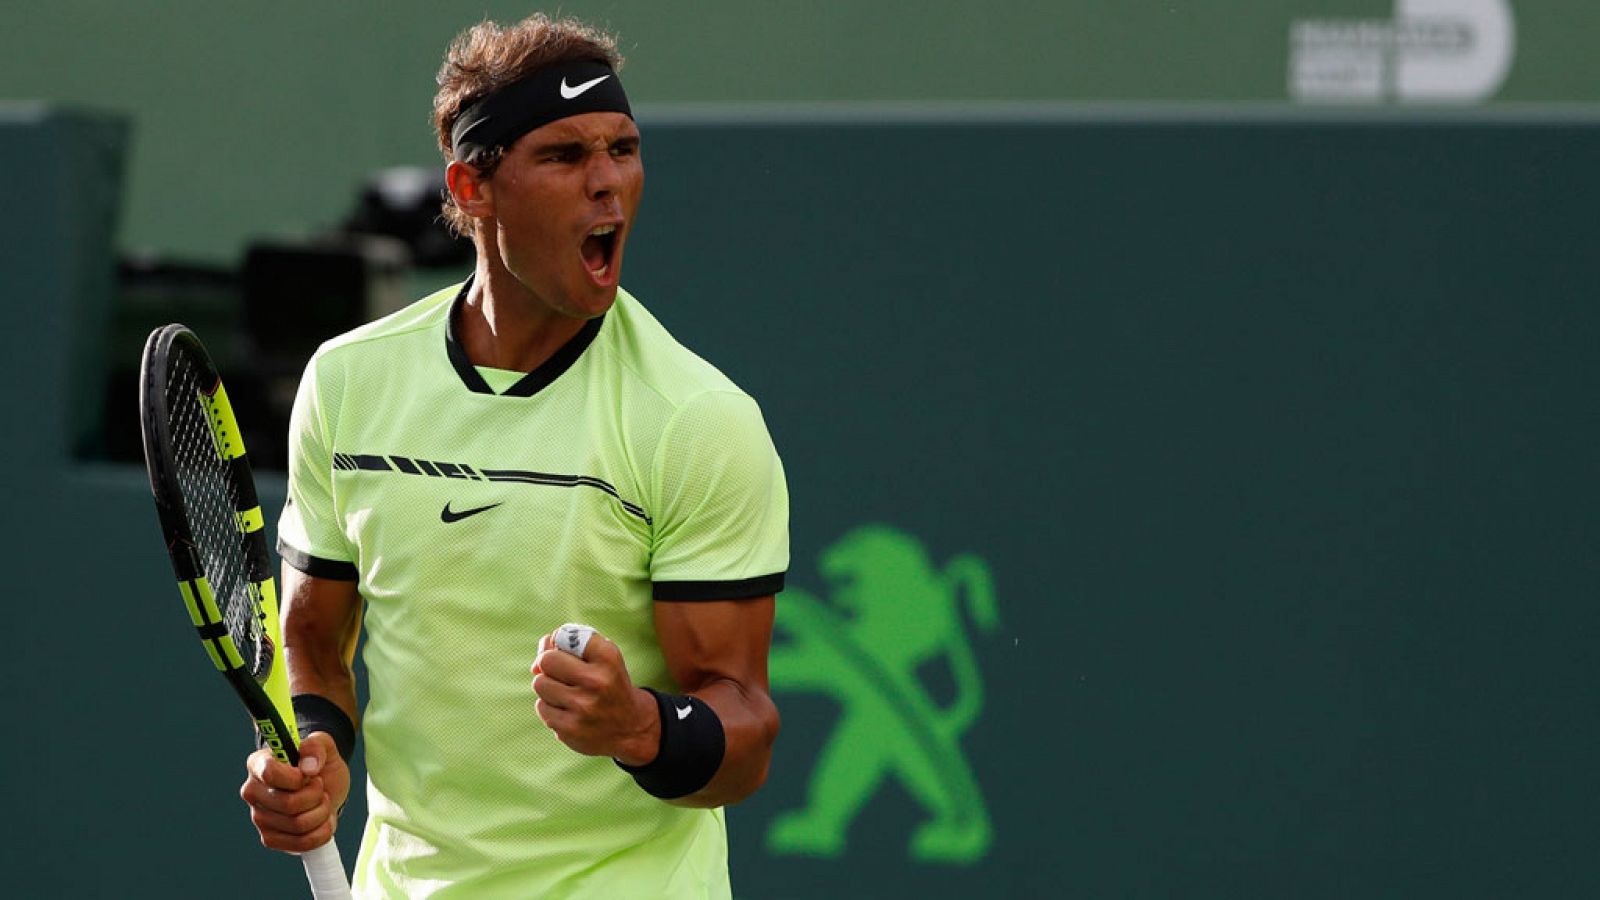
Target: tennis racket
(212,523)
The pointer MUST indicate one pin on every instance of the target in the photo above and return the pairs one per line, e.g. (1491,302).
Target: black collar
(531,383)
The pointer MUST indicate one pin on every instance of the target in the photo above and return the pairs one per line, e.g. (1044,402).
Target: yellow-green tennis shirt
(623,472)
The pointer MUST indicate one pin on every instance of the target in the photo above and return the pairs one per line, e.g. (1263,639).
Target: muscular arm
(321,622)
(295,808)
(717,651)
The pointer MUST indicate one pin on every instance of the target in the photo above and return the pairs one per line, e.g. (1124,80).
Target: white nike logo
(683,712)
(567,93)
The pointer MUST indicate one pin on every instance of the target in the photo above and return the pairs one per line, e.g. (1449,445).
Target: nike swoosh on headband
(568,92)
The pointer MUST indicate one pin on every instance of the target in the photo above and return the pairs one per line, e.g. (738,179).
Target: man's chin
(593,303)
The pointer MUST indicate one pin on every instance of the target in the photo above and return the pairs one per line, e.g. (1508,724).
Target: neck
(504,325)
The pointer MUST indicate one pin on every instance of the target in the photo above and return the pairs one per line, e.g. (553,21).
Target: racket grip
(325,871)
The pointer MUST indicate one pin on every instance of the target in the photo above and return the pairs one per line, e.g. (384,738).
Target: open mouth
(599,250)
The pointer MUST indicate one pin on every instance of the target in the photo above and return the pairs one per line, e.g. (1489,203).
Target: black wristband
(691,749)
(314,712)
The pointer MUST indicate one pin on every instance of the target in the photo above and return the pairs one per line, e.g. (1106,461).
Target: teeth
(602,230)
(601,272)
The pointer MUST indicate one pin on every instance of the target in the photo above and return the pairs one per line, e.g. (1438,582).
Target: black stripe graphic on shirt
(546,478)
(433,469)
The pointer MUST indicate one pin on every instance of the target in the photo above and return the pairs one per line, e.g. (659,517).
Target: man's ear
(472,192)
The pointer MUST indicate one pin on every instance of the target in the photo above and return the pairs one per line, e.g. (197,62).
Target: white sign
(1432,51)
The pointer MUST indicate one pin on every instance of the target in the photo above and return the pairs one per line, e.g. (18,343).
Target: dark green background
(1277,432)
(263,118)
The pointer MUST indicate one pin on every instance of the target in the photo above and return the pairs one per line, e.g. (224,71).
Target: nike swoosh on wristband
(683,712)
(567,93)
(448,515)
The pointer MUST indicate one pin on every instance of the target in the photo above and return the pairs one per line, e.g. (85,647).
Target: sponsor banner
(1428,51)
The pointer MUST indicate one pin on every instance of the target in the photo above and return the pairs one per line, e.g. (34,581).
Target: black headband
(554,92)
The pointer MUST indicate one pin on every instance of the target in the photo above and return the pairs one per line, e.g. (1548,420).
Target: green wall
(1267,442)
(256,119)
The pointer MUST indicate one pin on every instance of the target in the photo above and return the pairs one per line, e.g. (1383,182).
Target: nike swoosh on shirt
(567,93)
(683,712)
(448,515)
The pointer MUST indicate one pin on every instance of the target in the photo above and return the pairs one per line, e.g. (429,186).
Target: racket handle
(325,871)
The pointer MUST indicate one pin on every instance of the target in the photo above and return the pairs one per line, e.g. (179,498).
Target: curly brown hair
(489,56)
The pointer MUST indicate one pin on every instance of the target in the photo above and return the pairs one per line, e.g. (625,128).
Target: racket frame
(268,700)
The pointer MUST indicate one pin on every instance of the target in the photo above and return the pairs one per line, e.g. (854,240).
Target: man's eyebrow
(562,147)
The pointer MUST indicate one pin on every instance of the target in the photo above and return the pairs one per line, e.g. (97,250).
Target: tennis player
(525,449)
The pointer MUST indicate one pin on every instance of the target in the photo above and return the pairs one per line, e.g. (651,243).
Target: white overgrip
(325,871)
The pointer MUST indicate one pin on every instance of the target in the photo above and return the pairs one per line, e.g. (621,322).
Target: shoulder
(655,362)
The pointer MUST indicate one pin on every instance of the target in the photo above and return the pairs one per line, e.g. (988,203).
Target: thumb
(314,752)
(605,651)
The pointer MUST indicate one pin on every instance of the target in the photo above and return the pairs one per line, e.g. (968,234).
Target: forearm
(716,653)
(750,724)
(321,623)
(314,673)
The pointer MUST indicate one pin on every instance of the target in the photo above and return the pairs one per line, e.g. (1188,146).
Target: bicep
(321,622)
(717,650)
(708,641)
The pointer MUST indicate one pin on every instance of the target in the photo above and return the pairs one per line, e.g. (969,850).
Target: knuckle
(287,802)
(310,820)
(293,804)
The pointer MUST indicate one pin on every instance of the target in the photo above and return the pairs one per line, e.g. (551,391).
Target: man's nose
(605,176)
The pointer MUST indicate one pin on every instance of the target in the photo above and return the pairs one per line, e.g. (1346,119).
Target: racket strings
(210,496)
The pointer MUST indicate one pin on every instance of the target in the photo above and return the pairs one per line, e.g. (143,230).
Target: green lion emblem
(890,611)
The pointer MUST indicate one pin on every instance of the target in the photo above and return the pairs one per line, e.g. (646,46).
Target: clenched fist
(591,704)
(294,808)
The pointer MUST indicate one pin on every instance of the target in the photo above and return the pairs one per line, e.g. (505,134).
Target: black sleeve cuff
(316,566)
(743,589)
